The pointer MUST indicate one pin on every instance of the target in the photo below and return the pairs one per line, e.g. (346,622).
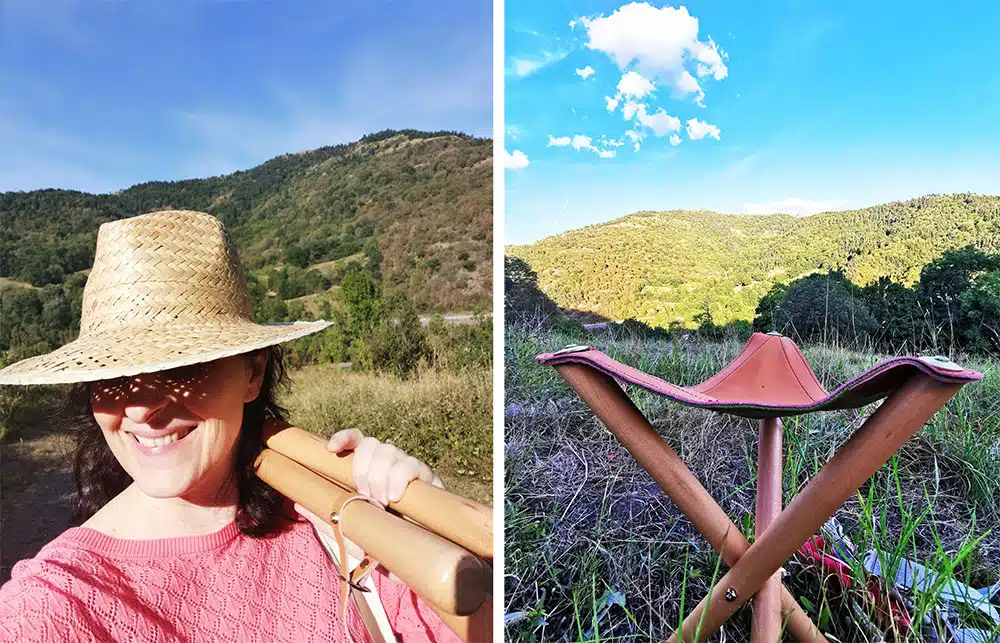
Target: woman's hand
(380,471)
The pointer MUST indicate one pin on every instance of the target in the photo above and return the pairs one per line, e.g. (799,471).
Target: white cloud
(687,84)
(515,160)
(635,136)
(710,60)
(582,142)
(658,42)
(586,72)
(699,129)
(794,206)
(631,108)
(675,140)
(661,122)
(633,85)
(526,66)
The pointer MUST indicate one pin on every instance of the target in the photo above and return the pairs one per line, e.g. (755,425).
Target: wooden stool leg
(767,602)
(870,447)
(633,430)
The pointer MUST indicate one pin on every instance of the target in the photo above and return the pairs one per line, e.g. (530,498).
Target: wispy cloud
(523,66)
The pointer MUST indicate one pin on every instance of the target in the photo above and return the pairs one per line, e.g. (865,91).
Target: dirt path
(36,477)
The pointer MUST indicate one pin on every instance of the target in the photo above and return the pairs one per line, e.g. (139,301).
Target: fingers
(361,464)
(382,467)
(407,469)
(380,470)
(344,440)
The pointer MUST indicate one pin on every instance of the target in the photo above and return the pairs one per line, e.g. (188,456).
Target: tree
(297,256)
(522,296)
(939,293)
(824,308)
(896,311)
(374,257)
(980,304)
(764,316)
(397,343)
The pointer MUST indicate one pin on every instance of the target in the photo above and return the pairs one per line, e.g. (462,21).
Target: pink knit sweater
(86,586)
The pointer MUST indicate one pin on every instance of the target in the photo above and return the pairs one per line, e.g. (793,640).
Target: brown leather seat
(771,378)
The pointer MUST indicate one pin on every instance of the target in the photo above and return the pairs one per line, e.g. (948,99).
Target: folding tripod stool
(769,379)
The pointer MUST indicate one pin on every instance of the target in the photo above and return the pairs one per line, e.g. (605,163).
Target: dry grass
(442,418)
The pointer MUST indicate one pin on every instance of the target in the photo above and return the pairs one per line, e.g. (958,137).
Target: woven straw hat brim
(148,349)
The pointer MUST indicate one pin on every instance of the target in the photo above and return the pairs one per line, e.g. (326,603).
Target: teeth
(159,442)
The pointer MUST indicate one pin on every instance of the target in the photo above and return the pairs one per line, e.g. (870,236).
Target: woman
(179,540)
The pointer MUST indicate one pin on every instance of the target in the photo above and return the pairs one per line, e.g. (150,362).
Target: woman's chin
(159,486)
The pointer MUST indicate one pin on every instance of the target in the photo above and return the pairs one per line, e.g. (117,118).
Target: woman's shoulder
(45,599)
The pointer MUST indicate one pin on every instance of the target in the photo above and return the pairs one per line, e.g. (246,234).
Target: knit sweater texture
(224,586)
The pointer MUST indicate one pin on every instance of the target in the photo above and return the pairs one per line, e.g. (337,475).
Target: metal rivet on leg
(730,595)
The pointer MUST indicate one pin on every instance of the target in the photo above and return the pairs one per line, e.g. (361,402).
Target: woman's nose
(143,399)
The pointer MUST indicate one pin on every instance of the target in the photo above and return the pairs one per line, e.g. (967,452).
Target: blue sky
(817,105)
(98,96)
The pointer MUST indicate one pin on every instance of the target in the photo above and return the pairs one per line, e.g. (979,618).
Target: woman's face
(174,432)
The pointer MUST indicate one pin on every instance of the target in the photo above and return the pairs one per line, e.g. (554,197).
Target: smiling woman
(180,433)
(177,538)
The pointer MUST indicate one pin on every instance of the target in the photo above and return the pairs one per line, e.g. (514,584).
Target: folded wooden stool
(438,543)
(768,380)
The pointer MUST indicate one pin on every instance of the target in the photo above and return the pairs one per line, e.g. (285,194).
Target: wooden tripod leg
(636,434)
(767,602)
(899,417)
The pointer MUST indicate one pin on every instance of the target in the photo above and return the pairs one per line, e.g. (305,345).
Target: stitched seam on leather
(784,353)
(812,373)
(735,367)
(653,386)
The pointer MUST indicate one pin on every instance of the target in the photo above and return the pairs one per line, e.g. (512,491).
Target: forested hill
(424,198)
(667,267)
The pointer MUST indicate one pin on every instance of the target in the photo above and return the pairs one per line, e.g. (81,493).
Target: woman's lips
(162,445)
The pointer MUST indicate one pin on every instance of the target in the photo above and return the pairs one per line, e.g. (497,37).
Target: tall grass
(440,417)
(579,508)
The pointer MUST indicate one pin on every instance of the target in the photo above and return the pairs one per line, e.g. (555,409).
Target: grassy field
(595,551)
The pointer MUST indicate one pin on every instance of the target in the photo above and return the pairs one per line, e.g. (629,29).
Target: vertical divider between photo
(498,307)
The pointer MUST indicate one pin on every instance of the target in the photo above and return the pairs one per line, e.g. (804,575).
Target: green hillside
(666,267)
(424,198)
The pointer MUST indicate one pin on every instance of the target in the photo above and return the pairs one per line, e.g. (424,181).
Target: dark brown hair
(99,476)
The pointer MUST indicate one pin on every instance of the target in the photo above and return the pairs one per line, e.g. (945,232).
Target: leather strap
(352,579)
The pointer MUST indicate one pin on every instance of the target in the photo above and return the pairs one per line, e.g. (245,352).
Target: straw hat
(167,289)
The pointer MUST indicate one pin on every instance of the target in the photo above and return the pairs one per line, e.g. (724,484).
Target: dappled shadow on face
(186,386)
